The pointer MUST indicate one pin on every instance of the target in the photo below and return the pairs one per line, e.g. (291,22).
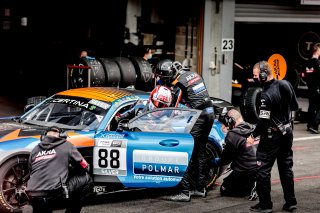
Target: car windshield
(68,112)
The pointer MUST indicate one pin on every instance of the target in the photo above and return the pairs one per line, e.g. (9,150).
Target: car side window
(113,125)
(177,120)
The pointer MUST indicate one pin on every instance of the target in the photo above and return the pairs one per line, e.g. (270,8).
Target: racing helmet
(177,69)
(163,68)
(160,97)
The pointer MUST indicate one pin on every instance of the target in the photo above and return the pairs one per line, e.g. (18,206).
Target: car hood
(22,130)
(17,136)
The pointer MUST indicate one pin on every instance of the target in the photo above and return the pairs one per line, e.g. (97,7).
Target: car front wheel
(13,179)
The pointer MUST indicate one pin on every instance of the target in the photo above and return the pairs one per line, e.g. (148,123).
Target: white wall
(218,25)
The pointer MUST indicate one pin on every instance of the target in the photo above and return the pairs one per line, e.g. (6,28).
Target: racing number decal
(110,161)
(114,158)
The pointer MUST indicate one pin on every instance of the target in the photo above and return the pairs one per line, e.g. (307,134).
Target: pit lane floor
(307,185)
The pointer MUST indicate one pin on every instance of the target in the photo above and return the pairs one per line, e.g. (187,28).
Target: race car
(152,150)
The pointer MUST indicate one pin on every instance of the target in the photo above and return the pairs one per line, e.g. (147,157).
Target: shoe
(313,130)
(198,193)
(288,208)
(179,197)
(258,208)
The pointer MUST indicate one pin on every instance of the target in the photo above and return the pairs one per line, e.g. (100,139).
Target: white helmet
(160,97)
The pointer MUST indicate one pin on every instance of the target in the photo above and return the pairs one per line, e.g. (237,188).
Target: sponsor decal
(306,42)
(194,80)
(113,172)
(45,154)
(99,189)
(111,135)
(278,66)
(160,162)
(265,114)
(157,178)
(100,104)
(71,102)
(192,76)
(103,142)
(199,88)
(111,142)
(116,143)
(125,99)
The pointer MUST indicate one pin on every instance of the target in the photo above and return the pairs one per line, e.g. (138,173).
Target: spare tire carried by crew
(127,70)
(249,105)
(79,77)
(113,76)
(144,73)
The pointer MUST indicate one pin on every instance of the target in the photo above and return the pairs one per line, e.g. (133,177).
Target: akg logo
(305,44)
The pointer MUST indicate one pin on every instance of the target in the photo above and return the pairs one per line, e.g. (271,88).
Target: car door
(154,151)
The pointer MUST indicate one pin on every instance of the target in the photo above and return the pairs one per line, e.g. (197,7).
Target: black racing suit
(196,96)
(242,157)
(278,99)
(312,78)
(49,165)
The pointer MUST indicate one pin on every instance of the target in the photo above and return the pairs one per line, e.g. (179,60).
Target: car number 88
(114,158)
(113,161)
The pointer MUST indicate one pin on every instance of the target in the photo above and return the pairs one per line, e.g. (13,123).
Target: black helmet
(176,68)
(163,68)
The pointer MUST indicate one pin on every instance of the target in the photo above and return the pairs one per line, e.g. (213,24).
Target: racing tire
(14,175)
(33,101)
(293,76)
(113,76)
(79,77)
(127,70)
(144,73)
(211,168)
(249,107)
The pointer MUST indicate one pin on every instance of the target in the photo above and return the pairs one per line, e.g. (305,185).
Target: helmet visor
(160,104)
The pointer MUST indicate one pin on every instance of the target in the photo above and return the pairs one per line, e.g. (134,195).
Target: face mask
(150,56)
(256,80)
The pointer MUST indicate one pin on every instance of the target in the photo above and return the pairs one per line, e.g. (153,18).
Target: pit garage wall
(218,56)
(220,17)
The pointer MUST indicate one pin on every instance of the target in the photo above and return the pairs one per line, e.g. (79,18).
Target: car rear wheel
(13,181)
(212,169)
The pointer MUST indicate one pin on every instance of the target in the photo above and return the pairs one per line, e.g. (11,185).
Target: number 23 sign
(227,44)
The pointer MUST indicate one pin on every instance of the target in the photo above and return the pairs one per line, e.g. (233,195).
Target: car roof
(108,94)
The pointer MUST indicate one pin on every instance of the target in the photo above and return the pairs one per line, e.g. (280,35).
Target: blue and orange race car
(152,150)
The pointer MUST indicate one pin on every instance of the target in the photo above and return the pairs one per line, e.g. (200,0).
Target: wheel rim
(212,169)
(14,185)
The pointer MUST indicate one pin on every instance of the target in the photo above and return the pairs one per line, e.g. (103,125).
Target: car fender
(5,155)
